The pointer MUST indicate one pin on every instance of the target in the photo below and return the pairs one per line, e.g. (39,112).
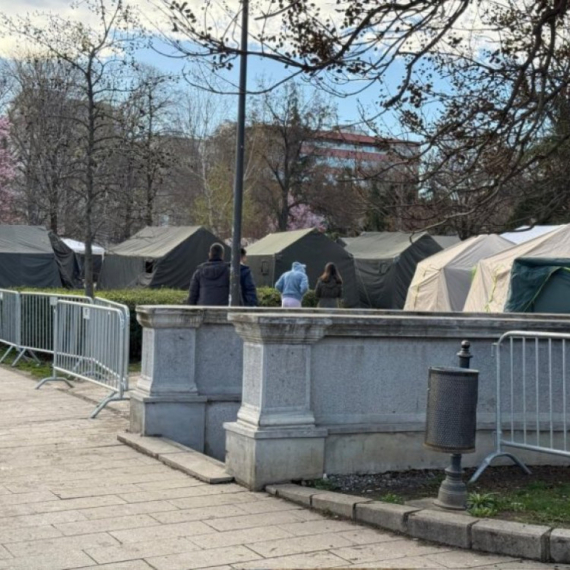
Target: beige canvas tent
(441,282)
(490,287)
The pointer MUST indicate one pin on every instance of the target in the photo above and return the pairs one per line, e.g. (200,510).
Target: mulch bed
(541,498)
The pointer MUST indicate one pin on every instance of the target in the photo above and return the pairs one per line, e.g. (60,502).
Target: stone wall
(323,392)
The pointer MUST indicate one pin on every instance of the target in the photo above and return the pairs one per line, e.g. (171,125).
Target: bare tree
(289,124)
(98,56)
(480,74)
(43,110)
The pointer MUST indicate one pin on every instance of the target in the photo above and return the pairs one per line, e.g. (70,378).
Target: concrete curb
(179,457)
(485,535)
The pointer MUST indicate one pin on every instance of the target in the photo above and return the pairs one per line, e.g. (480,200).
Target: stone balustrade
(301,393)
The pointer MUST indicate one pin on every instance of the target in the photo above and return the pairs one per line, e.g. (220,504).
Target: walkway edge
(534,542)
(179,457)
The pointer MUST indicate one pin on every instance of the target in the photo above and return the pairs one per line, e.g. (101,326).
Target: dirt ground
(541,498)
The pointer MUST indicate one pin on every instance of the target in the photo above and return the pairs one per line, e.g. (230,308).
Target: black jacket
(331,289)
(210,285)
(248,292)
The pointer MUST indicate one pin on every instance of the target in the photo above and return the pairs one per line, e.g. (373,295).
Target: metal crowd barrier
(90,343)
(37,312)
(10,321)
(532,408)
(127,316)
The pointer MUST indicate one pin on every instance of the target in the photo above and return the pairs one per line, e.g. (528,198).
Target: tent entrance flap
(539,285)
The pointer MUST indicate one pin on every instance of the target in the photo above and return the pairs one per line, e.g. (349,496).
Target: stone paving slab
(72,497)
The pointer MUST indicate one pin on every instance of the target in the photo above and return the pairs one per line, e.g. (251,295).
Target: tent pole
(235,295)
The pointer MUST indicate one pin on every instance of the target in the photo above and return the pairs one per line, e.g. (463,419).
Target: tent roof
(467,253)
(277,242)
(491,284)
(551,244)
(154,242)
(526,233)
(382,245)
(24,239)
(446,241)
(79,246)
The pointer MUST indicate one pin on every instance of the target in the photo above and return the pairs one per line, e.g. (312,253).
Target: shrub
(270,297)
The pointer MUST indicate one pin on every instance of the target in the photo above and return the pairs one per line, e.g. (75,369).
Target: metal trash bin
(451,426)
(451,420)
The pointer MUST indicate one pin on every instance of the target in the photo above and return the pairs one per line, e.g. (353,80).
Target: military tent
(441,282)
(446,241)
(490,287)
(273,255)
(30,256)
(526,233)
(157,257)
(539,285)
(385,264)
(78,248)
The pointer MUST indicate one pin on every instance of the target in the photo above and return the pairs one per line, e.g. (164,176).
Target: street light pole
(235,294)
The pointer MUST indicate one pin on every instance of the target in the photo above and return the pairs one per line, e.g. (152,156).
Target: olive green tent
(539,285)
(157,257)
(273,255)
(385,264)
(30,256)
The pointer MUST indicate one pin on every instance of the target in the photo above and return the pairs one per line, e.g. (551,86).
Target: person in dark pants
(329,288)
(210,284)
(248,290)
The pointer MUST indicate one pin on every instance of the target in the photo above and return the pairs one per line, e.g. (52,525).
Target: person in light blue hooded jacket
(293,285)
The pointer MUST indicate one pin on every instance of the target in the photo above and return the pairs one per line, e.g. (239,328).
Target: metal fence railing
(532,390)
(88,338)
(127,316)
(89,344)
(9,321)
(37,312)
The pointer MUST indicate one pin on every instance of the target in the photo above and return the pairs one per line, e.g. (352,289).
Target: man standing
(210,284)
(248,291)
(293,285)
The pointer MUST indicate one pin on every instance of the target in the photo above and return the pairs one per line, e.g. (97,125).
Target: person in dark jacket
(329,288)
(210,284)
(247,285)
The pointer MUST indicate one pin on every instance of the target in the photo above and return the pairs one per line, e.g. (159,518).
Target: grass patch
(502,492)
(39,371)
(538,502)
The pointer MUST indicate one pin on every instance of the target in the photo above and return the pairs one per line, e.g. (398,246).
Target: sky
(347,108)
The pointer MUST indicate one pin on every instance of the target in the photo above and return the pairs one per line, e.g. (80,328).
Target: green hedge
(270,297)
(267,296)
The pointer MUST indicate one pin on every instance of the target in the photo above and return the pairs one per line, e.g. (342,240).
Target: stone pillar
(165,401)
(275,438)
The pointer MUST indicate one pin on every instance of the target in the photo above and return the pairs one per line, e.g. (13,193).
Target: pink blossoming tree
(7,174)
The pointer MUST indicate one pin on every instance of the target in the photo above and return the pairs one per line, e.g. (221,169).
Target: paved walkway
(71,496)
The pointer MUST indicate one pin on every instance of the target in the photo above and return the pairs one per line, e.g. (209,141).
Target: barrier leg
(53,379)
(18,358)
(22,354)
(10,349)
(487,461)
(114,397)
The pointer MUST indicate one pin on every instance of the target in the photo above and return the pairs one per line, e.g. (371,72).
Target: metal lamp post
(240,152)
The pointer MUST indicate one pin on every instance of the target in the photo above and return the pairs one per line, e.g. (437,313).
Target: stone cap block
(560,545)
(447,528)
(337,503)
(148,445)
(384,515)
(294,493)
(511,538)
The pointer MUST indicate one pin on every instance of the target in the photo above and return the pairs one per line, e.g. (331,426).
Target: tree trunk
(90,191)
